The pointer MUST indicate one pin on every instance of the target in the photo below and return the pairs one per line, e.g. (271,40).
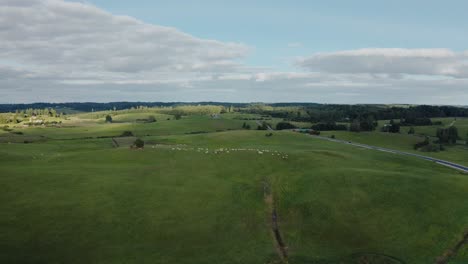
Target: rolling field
(196,194)
(403,142)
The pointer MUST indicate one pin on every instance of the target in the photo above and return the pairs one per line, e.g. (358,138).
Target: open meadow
(203,189)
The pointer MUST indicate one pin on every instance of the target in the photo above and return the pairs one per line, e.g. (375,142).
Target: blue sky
(318,26)
(332,51)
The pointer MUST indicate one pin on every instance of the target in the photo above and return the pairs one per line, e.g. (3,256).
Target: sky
(348,52)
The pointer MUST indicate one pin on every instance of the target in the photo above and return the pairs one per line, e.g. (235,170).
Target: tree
(411,130)
(139,143)
(368,124)
(355,126)
(108,119)
(447,135)
(453,134)
(177,116)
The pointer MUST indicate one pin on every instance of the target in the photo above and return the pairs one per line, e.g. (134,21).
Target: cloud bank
(440,62)
(54,50)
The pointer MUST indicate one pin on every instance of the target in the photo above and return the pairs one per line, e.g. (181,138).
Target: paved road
(439,161)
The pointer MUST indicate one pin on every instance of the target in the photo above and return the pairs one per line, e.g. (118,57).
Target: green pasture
(194,194)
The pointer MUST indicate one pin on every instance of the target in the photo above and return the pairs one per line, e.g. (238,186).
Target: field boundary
(452,252)
(115,144)
(280,245)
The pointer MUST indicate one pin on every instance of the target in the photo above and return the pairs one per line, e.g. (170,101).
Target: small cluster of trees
(245,126)
(414,121)
(329,126)
(284,125)
(392,127)
(447,135)
(363,124)
(427,146)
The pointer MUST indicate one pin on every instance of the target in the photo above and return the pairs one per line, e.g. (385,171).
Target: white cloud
(442,62)
(76,40)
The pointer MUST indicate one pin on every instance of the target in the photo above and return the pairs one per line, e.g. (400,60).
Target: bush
(332,136)
(127,134)
(139,143)
(177,116)
(432,148)
(108,119)
(422,144)
(269,135)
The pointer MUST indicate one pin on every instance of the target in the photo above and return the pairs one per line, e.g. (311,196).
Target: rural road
(260,124)
(439,161)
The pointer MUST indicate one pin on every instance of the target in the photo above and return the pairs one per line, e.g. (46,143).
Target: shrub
(269,135)
(422,144)
(108,119)
(139,143)
(432,148)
